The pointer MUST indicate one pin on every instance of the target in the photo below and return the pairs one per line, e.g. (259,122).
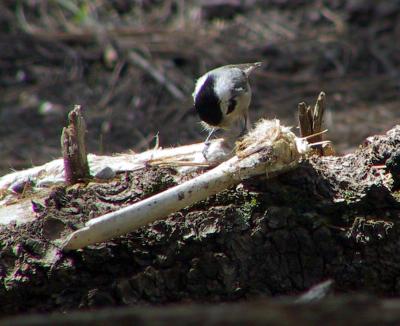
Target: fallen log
(331,217)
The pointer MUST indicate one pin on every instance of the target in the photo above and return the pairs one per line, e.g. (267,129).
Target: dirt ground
(132,66)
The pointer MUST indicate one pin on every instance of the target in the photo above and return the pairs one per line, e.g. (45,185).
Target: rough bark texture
(305,120)
(333,217)
(73,148)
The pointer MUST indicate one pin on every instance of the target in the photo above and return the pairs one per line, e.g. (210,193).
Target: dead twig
(318,114)
(305,120)
(138,60)
(73,148)
(310,122)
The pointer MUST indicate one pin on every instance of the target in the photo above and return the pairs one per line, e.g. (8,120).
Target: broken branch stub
(76,165)
(278,151)
(319,110)
(318,114)
(310,121)
(304,120)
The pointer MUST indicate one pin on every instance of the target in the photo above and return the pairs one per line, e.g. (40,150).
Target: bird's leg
(247,122)
(207,143)
(209,136)
(205,150)
(246,126)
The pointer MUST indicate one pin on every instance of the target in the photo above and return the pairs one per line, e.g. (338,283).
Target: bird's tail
(249,67)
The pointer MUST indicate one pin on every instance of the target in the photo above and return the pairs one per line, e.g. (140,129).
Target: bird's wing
(240,86)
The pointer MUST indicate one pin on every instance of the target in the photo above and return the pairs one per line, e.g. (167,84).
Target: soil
(331,218)
(53,57)
(357,310)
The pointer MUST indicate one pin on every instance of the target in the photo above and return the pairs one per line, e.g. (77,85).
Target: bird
(222,97)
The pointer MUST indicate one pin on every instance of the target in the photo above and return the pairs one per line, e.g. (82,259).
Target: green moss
(396,195)
(349,196)
(251,204)
(156,181)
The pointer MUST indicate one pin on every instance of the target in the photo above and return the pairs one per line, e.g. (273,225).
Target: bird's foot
(205,149)
(245,128)
(243,132)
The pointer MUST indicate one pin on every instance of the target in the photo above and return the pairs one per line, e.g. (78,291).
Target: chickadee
(222,96)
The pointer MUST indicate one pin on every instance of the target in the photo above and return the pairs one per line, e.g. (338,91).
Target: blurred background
(132,66)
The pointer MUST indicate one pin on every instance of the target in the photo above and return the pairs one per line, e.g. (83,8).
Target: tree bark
(76,166)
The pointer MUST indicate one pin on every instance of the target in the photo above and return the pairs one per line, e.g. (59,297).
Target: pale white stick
(53,172)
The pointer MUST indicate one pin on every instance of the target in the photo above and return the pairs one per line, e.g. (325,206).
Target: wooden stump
(310,121)
(73,148)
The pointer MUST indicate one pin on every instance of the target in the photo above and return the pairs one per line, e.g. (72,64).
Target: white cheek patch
(223,87)
(200,82)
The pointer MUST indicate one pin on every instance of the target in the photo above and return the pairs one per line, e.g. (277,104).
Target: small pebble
(105,173)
